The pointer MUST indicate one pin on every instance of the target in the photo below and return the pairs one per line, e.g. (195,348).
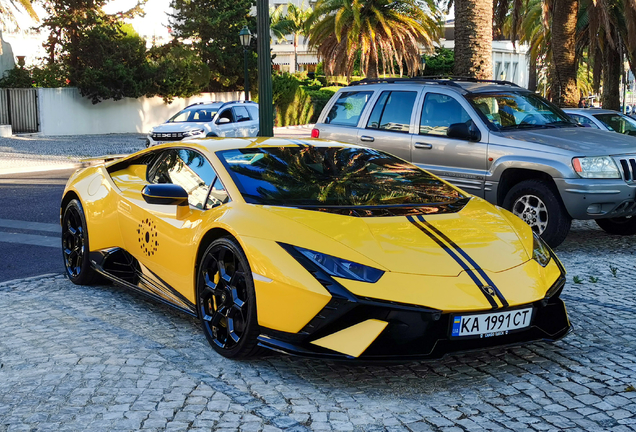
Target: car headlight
(193,132)
(540,251)
(596,167)
(342,268)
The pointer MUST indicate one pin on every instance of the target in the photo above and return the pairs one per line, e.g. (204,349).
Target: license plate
(491,324)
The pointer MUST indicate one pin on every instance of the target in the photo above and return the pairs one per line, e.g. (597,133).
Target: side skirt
(123,269)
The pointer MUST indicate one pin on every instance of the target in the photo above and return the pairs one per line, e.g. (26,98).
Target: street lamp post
(246,37)
(265,96)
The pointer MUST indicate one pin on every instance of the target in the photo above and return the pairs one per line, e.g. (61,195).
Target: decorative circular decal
(148,237)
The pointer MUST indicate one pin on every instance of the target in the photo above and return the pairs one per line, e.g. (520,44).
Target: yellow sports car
(314,248)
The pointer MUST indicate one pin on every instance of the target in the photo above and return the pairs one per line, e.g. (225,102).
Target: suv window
(193,115)
(439,112)
(393,111)
(190,170)
(241,114)
(348,108)
(226,114)
(583,120)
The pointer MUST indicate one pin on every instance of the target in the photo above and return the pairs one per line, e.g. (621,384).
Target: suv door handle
(421,145)
(367,138)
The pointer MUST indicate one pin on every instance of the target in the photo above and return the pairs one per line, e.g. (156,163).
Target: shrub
(305,107)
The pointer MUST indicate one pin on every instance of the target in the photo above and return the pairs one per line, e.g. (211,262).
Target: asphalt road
(29,223)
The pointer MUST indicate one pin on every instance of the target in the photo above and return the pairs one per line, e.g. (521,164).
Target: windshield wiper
(561,123)
(528,126)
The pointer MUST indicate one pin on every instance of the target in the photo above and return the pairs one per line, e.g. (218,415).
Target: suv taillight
(315,133)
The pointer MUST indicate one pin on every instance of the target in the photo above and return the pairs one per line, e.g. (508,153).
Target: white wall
(63,111)
(504,52)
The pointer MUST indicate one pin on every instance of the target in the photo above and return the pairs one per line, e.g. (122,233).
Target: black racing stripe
(472,262)
(457,259)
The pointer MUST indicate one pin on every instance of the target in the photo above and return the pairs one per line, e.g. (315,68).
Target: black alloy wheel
(620,225)
(226,300)
(75,245)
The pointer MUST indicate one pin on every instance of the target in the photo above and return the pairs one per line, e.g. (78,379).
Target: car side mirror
(463,132)
(165,194)
(223,120)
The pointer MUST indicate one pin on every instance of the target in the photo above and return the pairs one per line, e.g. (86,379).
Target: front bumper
(411,334)
(597,198)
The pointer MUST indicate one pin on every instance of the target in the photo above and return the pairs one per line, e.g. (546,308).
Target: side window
(253,110)
(218,195)
(439,112)
(348,108)
(583,120)
(188,169)
(241,114)
(226,114)
(393,111)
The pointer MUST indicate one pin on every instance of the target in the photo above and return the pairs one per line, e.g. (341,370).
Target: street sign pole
(265,97)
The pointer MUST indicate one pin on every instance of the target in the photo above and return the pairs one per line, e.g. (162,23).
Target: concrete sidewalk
(34,153)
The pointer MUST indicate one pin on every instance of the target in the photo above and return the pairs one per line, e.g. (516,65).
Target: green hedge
(304,108)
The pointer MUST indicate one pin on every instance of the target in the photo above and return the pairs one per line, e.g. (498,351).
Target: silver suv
(498,141)
(208,119)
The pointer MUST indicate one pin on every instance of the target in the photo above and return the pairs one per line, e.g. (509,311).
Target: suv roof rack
(221,102)
(233,102)
(199,103)
(470,79)
(438,79)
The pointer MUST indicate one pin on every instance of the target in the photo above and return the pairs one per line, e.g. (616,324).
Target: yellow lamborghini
(314,248)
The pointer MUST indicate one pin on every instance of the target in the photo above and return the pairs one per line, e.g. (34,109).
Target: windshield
(191,115)
(508,111)
(332,176)
(618,123)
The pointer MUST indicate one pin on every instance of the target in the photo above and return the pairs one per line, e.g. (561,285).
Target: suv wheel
(619,225)
(538,204)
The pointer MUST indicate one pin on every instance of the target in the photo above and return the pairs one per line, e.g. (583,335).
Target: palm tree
(294,22)
(473,38)
(8,9)
(564,19)
(384,32)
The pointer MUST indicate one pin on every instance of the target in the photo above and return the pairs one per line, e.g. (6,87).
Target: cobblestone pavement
(105,359)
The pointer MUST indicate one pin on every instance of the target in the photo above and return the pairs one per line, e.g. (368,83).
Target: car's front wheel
(538,204)
(75,245)
(226,300)
(621,225)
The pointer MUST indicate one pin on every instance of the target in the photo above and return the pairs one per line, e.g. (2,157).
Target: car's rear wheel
(75,245)
(226,300)
(538,204)
(621,225)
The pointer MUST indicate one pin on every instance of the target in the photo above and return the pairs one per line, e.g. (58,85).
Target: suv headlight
(596,167)
(342,268)
(540,251)
(193,132)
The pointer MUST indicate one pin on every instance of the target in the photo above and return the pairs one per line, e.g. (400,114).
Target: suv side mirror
(463,132)
(223,120)
(165,194)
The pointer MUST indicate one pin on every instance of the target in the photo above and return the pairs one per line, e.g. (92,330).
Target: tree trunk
(473,38)
(295,52)
(372,68)
(564,17)
(611,98)
(532,74)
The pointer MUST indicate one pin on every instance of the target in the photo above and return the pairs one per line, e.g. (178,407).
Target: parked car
(317,248)
(498,141)
(603,119)
(208,119)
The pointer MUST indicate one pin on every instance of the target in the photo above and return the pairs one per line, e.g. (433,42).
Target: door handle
(367,138)
(425,146)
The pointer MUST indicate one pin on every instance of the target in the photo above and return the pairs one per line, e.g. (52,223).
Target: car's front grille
(628,166)
(167,136)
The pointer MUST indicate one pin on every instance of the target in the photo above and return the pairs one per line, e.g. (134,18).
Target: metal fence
(19,108)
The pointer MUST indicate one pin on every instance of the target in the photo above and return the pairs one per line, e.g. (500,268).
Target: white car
(208,119)
(603,119)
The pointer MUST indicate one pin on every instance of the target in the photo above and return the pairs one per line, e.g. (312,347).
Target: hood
(579,140)
(180,127)
(398,245)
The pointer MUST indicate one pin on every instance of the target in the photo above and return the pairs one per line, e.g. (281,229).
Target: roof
(469,85)
(213,145)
